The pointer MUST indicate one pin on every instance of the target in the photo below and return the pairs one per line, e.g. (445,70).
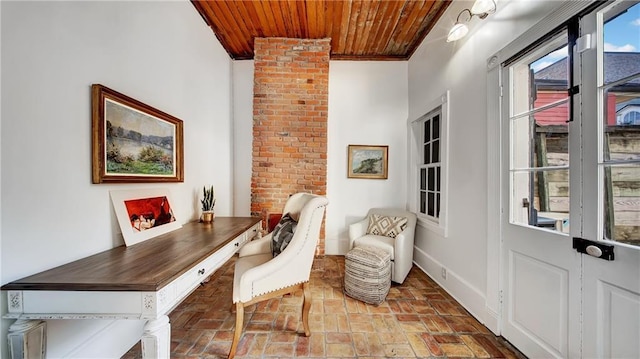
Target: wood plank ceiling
(359,29)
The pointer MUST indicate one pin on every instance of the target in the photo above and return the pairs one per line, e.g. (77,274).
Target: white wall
(243,135)
(160,53)
(460,67)
(367,106)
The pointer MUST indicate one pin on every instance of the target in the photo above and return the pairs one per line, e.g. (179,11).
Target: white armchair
(260,276)
(400,247)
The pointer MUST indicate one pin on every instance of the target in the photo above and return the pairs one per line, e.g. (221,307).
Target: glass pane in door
(539,136)
(620,135)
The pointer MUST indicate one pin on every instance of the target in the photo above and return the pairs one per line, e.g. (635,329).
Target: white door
(611,162)
(541,271)
(569,177)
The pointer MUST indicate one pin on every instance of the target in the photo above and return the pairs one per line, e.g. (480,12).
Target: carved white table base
(27,339)
(156,338)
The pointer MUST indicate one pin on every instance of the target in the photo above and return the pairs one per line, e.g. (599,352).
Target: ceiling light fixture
(481,9)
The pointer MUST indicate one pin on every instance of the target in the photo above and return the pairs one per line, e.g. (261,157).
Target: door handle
(593,248)
(594,251)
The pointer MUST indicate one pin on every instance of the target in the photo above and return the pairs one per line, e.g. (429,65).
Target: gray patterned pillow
(386,225)
(282,234)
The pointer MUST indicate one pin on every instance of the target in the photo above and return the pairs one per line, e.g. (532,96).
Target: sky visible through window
(621,34)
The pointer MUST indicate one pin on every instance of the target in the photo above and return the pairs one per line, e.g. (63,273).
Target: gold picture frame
(133,142)
(369,162)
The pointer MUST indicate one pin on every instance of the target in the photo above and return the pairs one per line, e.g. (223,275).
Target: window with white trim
(427,175)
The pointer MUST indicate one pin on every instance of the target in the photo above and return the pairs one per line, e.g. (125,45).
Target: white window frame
(415,141)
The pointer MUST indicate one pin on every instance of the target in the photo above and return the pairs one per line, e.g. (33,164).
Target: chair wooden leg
(306,306)
(238,330)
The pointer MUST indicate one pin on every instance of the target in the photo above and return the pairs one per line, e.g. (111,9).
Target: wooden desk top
(146,266)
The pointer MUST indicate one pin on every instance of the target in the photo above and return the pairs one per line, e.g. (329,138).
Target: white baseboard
(492,320)
(472,299)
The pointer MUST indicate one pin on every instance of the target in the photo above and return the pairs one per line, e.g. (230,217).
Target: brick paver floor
(418,320)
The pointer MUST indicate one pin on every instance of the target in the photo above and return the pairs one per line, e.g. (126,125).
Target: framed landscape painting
(368,162)
(132,141)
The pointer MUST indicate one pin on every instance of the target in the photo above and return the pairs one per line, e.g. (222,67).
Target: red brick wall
(290,103)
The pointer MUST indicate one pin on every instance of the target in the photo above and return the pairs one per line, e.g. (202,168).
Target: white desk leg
(27,339)
(156,339)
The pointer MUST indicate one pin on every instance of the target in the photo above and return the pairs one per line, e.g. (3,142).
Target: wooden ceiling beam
(391,19)
(411,12)
(359,29)
(437,10)
(352,29)
(364,26)
(334,20)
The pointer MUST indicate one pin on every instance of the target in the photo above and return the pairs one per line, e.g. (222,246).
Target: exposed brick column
(290,104)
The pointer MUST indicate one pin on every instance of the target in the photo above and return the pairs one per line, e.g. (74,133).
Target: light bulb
(457,32)
(483,7)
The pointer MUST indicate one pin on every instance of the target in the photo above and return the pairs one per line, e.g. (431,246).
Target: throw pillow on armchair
(389,226)
(282,234)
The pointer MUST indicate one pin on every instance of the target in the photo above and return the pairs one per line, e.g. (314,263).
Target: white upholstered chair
(400,247)
(260,276)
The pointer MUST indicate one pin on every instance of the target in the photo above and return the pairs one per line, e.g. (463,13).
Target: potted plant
(208,202)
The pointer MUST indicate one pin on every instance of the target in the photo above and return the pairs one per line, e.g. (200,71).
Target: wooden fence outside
(622,183)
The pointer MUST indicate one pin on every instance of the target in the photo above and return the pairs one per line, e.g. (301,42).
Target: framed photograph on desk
(144,213)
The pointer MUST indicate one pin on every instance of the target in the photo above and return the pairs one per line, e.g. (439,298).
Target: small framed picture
(368,162)
(133,142)
(144,213)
